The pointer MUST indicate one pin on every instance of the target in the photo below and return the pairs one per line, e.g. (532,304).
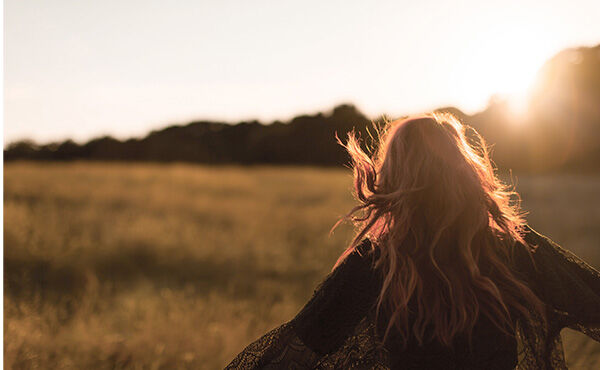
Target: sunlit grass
(180,266)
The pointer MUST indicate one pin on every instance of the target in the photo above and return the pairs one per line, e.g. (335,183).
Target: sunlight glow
(123,68)
(503,62)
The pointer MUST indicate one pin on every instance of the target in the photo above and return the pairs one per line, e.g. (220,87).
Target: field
(180,266)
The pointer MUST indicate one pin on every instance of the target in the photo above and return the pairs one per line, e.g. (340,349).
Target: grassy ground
(179,266)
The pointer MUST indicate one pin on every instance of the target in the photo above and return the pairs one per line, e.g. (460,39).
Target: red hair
(443,224)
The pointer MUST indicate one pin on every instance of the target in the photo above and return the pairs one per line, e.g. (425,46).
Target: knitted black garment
(337,329)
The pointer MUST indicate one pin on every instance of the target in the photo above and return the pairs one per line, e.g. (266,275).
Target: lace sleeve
(323,325)
(567,284)
(339,303)
(278,349)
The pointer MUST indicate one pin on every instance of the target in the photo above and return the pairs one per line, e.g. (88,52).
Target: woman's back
(341,322)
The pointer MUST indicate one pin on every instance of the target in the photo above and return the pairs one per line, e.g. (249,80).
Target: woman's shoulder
(534,254)
(357,268)
(535,246)
(536,240)
(365,252)
(560,278)
(548,254)
(342,299)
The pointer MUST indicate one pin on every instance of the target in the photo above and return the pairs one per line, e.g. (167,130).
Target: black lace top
(337,329)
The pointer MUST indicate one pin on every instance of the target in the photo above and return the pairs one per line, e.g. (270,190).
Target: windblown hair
(444,224)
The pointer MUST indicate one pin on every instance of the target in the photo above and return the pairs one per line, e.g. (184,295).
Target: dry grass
(180,266)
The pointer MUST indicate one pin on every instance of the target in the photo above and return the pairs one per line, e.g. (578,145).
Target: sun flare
(502,62)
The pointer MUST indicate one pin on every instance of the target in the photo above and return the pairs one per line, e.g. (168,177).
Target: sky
(82,69)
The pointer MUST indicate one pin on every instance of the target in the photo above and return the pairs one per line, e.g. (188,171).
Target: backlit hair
(443,224)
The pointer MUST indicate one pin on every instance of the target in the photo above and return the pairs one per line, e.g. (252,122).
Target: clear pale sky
(80,69)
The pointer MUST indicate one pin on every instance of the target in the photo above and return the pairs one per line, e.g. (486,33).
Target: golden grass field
(180,266)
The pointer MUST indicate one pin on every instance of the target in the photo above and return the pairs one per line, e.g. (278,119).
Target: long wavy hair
(444,226)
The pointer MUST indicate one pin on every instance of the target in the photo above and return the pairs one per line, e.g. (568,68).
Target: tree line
(560,131)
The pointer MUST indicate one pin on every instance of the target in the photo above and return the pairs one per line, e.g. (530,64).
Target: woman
(442,273)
